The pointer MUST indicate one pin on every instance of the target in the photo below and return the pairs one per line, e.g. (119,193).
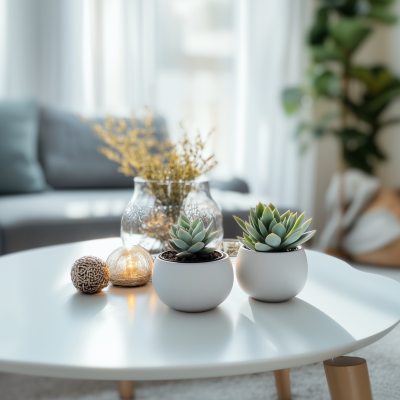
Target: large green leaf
(328,52)
(291,99)
(319,30)
(327,84)
(376,79)
(382,14)
(349,33)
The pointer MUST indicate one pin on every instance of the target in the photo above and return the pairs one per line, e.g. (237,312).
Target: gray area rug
(308,383)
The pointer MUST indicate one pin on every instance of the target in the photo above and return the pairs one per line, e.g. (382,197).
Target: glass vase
(156,205)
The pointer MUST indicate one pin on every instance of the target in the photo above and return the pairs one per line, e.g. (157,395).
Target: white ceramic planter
(271,277)
(193,287)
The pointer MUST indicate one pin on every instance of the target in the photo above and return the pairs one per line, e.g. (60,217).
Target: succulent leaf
(194,223)
(199,237)
(181,244)
(267,216)
(240,222)
(273,240)
(253,220)
(183,224)
(292,237)
(279,230)
(185,236)
(250,245)
(271,206)
(196,247)
(208,230)
(174,246)
(199,228)
(185,218)
(254,233)
(174,229)
(306,225)
(259,210)
(276,215)
(303,238)
(272,224)
(263,247)
(292,221)
(298,222)
(211,238)
(263,229)
(285,215)
(185,254)
(249,239)
(207,251)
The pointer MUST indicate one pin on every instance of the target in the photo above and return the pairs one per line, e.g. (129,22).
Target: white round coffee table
(49,329)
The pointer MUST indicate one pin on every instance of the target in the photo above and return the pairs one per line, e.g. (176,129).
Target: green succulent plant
(190,239)
(267,230)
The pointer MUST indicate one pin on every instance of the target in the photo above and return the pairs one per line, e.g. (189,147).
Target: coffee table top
(48,328)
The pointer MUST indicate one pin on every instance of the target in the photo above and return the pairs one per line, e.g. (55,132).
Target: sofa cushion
(64,216)
(19,165)
(69,153)
(60,216)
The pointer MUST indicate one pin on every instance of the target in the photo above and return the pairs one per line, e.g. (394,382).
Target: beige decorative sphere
(90,274)
(130,266)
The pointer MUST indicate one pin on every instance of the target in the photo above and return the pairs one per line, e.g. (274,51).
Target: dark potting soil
(171,256)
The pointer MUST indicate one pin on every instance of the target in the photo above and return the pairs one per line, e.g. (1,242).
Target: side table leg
(282,380)
(348,378)
(126,389)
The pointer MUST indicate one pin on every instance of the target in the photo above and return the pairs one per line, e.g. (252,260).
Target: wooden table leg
(282,379)
(348,378)
(126,389)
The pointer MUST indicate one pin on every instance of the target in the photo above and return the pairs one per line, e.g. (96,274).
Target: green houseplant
(355,95)
(271,265)
(192,276)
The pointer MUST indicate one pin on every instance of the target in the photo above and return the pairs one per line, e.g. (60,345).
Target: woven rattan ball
(90,274)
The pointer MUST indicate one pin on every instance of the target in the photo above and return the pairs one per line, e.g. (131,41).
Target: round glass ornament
(130,266)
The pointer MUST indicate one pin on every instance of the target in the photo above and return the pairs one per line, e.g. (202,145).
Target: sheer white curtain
(270,55)
(82,55)
(217,63)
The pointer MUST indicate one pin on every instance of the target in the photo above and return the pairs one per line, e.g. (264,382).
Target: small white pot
(271,277)
(193,287)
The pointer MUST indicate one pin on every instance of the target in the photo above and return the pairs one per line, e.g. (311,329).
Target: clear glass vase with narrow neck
(156,205)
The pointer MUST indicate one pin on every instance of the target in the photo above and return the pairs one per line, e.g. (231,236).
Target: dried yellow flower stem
(139,153)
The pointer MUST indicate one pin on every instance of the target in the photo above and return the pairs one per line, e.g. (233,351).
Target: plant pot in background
(156,205)
(271,277)
(193,286)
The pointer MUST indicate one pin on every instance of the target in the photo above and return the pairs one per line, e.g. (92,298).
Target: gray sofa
(86,195)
